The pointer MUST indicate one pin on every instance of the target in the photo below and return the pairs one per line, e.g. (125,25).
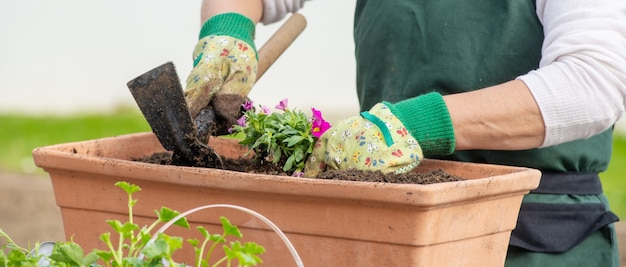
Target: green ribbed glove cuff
(231,24)
(428,120)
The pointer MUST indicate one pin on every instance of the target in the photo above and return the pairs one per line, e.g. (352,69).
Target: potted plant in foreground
(329,222)
(133,245)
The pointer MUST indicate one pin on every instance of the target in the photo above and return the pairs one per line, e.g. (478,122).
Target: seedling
(136,246)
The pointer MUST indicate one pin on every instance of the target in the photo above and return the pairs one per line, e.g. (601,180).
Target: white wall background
(70,56)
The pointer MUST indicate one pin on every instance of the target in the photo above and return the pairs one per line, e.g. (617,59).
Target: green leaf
(157,249)
(290,131)
(134,262)
(276,153)
(144,236)
(246,255)
(129,188)
(230,229)
(16,256)
(91,258)
(167,214)
(248,140)
(217,238)
(116,225)
(3,258)
(204,231)
(298,154)
(257,144)
(311,145)
(289,163)
(68,252)
(253,248)
(162,248)
(104,255)
(125,229)
(106,237)
(291,141)
(194,242)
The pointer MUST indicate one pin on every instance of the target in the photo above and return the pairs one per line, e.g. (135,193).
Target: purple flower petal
(265,109)
(282,105)
(319,125)
(248,105)
(317,115)
(242,121)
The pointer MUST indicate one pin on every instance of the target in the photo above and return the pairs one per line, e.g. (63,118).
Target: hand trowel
(160,97)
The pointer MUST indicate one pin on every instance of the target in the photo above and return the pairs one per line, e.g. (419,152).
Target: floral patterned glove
(225,63)
(388,138)
(376,140)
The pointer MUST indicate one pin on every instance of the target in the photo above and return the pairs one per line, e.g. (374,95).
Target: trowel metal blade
(160,97)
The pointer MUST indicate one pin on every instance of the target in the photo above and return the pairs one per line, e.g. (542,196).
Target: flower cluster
(285,137)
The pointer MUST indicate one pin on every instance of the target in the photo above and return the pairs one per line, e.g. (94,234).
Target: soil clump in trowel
(219,116)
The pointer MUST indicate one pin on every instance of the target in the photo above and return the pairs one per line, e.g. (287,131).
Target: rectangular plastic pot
(330,223)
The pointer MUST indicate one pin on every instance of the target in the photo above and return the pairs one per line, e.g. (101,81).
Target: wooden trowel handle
(278,42)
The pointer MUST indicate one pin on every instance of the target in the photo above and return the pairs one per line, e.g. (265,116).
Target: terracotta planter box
(330,223)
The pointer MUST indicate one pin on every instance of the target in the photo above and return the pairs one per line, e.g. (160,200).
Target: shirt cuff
(428,120)
(230,24)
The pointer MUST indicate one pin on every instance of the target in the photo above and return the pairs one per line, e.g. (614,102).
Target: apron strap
(569,183)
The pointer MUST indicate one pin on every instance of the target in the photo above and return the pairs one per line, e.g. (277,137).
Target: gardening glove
(224,70)
(388,138)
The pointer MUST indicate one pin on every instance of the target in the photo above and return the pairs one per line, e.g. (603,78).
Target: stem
(115,256)
(220,262)
(10,241)
(137,250)
(130,208)
(120,243)
(130,220)
(210,252)
(199,260)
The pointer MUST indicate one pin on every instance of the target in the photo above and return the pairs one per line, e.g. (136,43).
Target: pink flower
(248,105)
(242,121)
(265,109)
(319,125)
(282,105)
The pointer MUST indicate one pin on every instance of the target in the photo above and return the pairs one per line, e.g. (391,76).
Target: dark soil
(251,166)
(431,177)
(196,154)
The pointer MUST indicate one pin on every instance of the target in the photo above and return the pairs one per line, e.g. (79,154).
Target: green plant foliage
(136,246)
(285,137)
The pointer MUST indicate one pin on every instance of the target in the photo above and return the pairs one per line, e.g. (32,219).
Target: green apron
(408,48)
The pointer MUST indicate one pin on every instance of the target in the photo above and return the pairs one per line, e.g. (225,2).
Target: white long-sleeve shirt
(580,85)
(275,10)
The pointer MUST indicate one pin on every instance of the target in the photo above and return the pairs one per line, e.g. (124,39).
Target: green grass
(20,134)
